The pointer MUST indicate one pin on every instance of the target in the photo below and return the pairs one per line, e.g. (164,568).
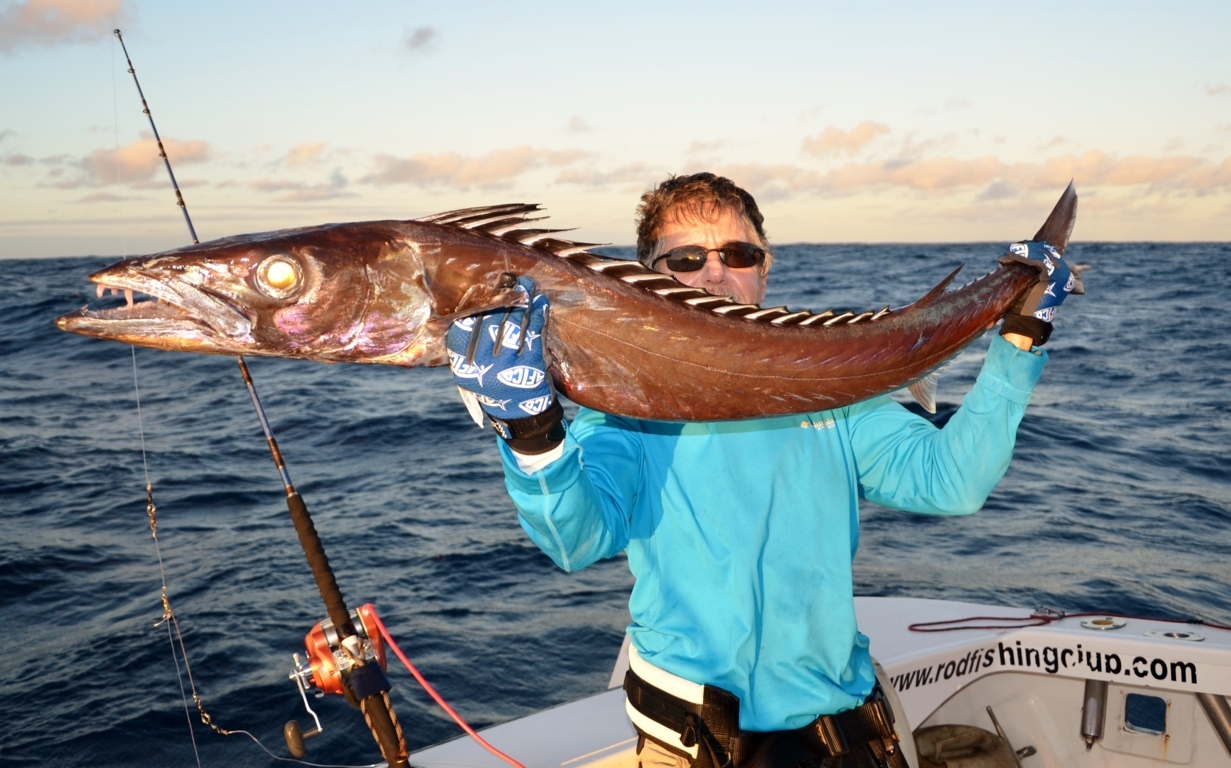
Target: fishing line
(151,510)
(376,707)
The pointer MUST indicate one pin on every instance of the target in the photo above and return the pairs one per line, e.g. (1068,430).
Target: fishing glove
(497,362)
(1033,313)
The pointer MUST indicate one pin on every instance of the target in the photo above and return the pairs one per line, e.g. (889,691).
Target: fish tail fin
(1059,225)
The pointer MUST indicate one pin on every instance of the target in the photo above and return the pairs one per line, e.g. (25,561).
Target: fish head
(334,293)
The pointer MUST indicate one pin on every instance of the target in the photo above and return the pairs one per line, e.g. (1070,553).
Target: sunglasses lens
(686,258)
(690,258)
(742,255)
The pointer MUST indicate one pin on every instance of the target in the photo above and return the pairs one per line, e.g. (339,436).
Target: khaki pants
(654,756)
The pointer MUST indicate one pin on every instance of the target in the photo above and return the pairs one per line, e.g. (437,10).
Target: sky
(849,122)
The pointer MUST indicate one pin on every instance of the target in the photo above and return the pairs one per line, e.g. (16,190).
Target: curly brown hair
(701,195)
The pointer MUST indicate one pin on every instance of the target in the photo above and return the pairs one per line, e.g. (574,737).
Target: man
(741,534)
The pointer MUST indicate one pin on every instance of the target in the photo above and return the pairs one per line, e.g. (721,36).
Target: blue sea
(1118,499)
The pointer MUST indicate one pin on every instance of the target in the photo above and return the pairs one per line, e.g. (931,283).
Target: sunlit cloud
(833,141)
(302,192)
(578,124)
(18,159)
(1218,89)
(51,22)
(449,169)
(305,154)
(634,173)
(131,164)
(997,178)
(421,39)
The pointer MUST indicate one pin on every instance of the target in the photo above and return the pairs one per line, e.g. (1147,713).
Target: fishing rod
(344,653)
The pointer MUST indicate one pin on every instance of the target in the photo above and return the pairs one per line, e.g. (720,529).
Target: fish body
(620,338)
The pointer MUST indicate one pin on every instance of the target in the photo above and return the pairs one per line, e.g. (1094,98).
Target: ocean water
(1118,499)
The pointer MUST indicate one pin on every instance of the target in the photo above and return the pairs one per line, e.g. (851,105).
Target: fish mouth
(162,311)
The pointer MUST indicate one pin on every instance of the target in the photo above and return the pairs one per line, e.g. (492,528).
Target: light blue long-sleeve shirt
(741,534)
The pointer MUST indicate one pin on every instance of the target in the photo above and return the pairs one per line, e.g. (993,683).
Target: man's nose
(714,270)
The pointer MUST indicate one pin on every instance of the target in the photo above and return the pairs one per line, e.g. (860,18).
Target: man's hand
(497,358)
(1032,316)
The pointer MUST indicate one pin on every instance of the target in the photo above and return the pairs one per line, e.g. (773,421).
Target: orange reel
(327,656)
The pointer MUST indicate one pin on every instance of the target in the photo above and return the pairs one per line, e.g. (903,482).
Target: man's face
(746,285)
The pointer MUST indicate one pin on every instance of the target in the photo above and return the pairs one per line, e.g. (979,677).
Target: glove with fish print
(1033,314)
(497,362)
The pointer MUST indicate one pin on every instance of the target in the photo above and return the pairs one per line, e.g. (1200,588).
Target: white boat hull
(1033,679)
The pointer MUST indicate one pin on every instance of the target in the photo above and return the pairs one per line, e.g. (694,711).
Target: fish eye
(279,277)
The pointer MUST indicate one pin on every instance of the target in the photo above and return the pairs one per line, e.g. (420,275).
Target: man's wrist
(1031,328)
(534,434)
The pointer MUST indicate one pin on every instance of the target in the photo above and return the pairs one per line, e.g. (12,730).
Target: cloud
(1218,89)
(51,22)
(578,124)
(419,40)
(449,169)
(131,164)
(302,192)
(634,173)
(698,147)
(833,140)
(101,197)
(305,154)
(18,159)
(6,133)
(998,179)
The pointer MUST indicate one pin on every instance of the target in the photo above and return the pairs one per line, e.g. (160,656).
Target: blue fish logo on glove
(497,360)
(1060,278)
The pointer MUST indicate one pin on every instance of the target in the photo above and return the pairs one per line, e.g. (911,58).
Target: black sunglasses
(690,258)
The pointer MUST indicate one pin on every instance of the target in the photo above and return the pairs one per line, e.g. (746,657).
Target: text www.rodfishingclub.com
(1049,659)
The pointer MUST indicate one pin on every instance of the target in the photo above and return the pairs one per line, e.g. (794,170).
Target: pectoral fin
(924,391)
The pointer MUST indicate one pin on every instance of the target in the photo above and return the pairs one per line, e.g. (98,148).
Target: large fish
(621,338)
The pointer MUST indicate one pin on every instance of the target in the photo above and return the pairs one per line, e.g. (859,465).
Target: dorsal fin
(464,215)
(939,290)
(512,222)
(1059,225)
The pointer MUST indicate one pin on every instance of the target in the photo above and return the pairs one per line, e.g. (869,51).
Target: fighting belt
(701,723)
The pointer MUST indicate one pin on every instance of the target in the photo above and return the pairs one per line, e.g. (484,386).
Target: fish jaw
(182,316)
(352,297)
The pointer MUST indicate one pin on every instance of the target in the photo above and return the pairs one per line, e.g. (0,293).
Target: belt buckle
(830,735)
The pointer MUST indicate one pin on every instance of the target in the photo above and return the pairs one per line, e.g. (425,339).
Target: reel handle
(295,736)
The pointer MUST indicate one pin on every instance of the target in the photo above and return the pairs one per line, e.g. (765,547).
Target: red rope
(443,704)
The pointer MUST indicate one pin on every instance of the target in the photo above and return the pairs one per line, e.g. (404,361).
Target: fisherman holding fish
(741,534)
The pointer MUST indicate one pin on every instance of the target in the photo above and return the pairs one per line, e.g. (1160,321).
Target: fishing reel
(352,666)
